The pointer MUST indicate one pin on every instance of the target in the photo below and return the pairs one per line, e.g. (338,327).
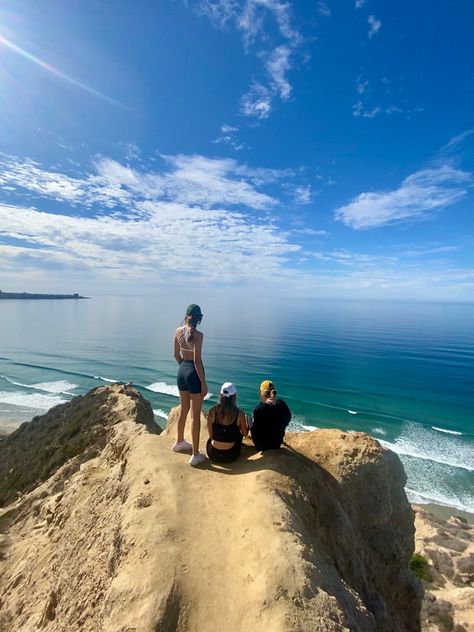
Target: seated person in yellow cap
(270,419)
(227,425)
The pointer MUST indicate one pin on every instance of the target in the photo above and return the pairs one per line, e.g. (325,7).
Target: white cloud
(375,25)
(191,180)
(323,9)
(228,136)
(257,102)
(359,3)
(358,109)
(146,224)
(310,232)
(277,65)
(303,194)
(435,250)
(252,18)
(361,85)
(417,196)
(454,143)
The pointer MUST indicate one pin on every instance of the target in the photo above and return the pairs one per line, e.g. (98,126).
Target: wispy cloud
(324,10)
(144,223)
(278,64)
(375,98)
(251,18)
(359,3)
(358,109)
(228,136)
(454,144)
(191,179)
(257,102)
(375,25)
(418,195)
(302,194)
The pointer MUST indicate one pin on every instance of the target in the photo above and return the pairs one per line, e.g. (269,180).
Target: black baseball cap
(194,310)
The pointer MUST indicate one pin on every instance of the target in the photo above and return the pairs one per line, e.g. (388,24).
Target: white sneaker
(182,446)
(197,459)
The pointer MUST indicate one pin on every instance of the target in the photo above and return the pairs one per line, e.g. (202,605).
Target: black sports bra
(226,434)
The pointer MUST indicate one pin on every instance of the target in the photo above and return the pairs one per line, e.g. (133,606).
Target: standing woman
(191,381)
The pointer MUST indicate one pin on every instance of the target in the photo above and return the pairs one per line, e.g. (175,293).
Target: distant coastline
(26,295)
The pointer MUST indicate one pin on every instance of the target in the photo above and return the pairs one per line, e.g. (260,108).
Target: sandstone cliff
(448,546)
(123,535)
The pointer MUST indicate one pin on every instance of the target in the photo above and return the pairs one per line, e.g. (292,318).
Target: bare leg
(184,397)
(196,401)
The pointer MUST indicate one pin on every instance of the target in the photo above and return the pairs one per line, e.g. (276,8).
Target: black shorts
(224,456)
(188,379)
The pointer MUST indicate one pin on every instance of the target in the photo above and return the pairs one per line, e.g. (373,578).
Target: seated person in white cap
(227,426)
(270,419)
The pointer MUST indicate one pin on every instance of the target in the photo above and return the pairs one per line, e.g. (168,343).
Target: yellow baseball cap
(266,385)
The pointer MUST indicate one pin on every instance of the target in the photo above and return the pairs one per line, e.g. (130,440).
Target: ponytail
(191,322)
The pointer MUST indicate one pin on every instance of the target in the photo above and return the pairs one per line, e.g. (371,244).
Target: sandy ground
(136,540)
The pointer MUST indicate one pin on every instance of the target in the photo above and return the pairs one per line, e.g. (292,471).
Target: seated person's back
(227,425)
(270,419)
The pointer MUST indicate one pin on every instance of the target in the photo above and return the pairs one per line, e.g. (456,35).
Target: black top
(269,424)
(226,433)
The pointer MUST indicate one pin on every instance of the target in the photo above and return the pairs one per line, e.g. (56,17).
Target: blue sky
(312,148)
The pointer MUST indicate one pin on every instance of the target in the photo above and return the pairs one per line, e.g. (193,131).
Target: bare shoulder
(198,334)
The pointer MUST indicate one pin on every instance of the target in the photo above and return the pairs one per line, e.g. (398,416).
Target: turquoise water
(402,372)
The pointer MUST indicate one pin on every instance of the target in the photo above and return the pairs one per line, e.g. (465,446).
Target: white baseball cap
(228,389)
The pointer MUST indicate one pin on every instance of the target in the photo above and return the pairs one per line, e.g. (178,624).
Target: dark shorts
(224,456)
(188,379)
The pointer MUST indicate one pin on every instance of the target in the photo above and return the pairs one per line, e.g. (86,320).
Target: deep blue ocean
(403,372)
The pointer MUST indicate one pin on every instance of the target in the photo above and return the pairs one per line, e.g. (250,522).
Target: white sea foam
(59,386)
(452,432)
(163,387)
(380,431)
(438,499)
(418,442)
(13,381)
(105,379)
(352,412)
(168,389)
(35,401)
(160,413)
(310,428)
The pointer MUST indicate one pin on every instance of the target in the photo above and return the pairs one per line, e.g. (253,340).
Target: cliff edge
(123,535)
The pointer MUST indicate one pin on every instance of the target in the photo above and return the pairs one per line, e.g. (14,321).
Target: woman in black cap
(191,381)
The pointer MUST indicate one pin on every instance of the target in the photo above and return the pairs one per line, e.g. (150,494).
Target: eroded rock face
(371,537)
(313,537)
(37,449)
(448,546)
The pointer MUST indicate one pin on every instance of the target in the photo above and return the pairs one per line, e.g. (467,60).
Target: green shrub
(421,567)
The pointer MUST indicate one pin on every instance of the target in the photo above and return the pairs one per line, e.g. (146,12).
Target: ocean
(402,372)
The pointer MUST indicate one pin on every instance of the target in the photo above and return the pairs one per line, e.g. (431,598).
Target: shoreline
(444,512)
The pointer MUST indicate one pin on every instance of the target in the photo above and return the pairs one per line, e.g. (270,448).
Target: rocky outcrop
(314,537)
(77,430)
(448,547)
